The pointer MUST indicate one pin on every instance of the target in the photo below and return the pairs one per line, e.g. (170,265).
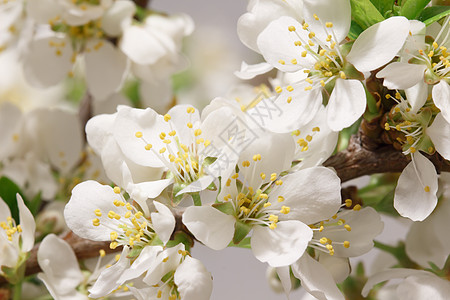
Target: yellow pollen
(311,35)
(289,99)
(305,25)
(263,176)
(346,226)
(308,88)
(322,52)
(190,110)
(329,24)
(281,62)
(162,135)
(189,125)
(246,163)
(308,138)
(273,176)
(309,80)
(98,213)
(323,240)
(113,245)
(357,207)
(117,190)
(279,182)
(427,189)
(278,89)
(297,43)
(138,134)
(167,141)
(235,176)
(197,132)
(167,117)
(348,202)
(162,150)
(342,75)
(172,133)
(102,253)
(267,204)
(412,149)
(293,61)
(304,53)
(257,157)
(315,17)
(148,147)
(431,53)
(289,88)
(311,42)
(346,244)
(435,45)
(285,210)
(96,222)
(291,28)
(113,235)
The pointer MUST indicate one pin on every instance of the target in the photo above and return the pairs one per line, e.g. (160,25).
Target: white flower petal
(281,246)
(339,15)
(441,96)
(427,286)
(79,212)
(339,267)
(142,263)
(417,95)
(378,44)
(315,279)
(166,261)
(41,55)
(194,282)
(400,75)
(210,226)
(4,210)
(107,281)
(310,201)
(251,71)
(163,222)
(439,134)
(276,44)
(411,200)
(386,275)
(347,103)
(285,278)
(27,223)
(198,185)
(118,15)
(10,129)
(60,265)
(105,68)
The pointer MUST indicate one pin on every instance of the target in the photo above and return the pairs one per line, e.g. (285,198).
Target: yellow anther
(263,196)
(316,17)
(309,80)
(329,247)
(278,89)
(291,28)
(263,176)
(316,129)
(117,257)
(113,245)
(281,62)
(267,204)
(256,157)
(397,109)
(172,133)
(127,214)
(323,240)
(98,212)
(138,134)
(357,207)
(279,182)
(348,202)
(280,199)
(311,35)
(308,88)
(289,99)
(431,53)
(285,210)
(159,294)
(305,25)
(304,53)
(329,24)
(386,126)
(228,183)
(296,132)
(311,43)
(148,147)
(102,253)
(96,222)
(190,110)
(412,149)
(293,61)
(273,176)
(322,52)
(19,228)
(297,43)
(189,125)
(235,176)
(165,259)
(166,141)
(342,75)
(305,149)
(162,150)
(273,226)
(289,88)
(207,143)
(427,189)
(245,163)
(113,235)
(346,244)
(162,135)
(346,226)
(273,218)
(167,117)
(308,138)
(197,132)
(117,190)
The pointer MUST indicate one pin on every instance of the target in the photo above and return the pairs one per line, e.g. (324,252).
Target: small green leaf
(365,13)
(355,30)
(412,9)
(240,231)
(35,204)
(383,6)
(196,198)
(225,207)
(135,251)
(131,91)
(181,237)
(8,191)
(245,243)
(433,14)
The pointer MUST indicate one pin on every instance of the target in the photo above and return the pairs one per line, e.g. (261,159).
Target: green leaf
(35,204)
(240,231)
(245,243)
(383,6)
(8,191)
(181,237)
(355,30)
(365,13)
(196,198)
(131,91)
(225,207)
(411,9)
(433,14)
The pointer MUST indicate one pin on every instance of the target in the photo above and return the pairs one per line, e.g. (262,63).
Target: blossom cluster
(111,157)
